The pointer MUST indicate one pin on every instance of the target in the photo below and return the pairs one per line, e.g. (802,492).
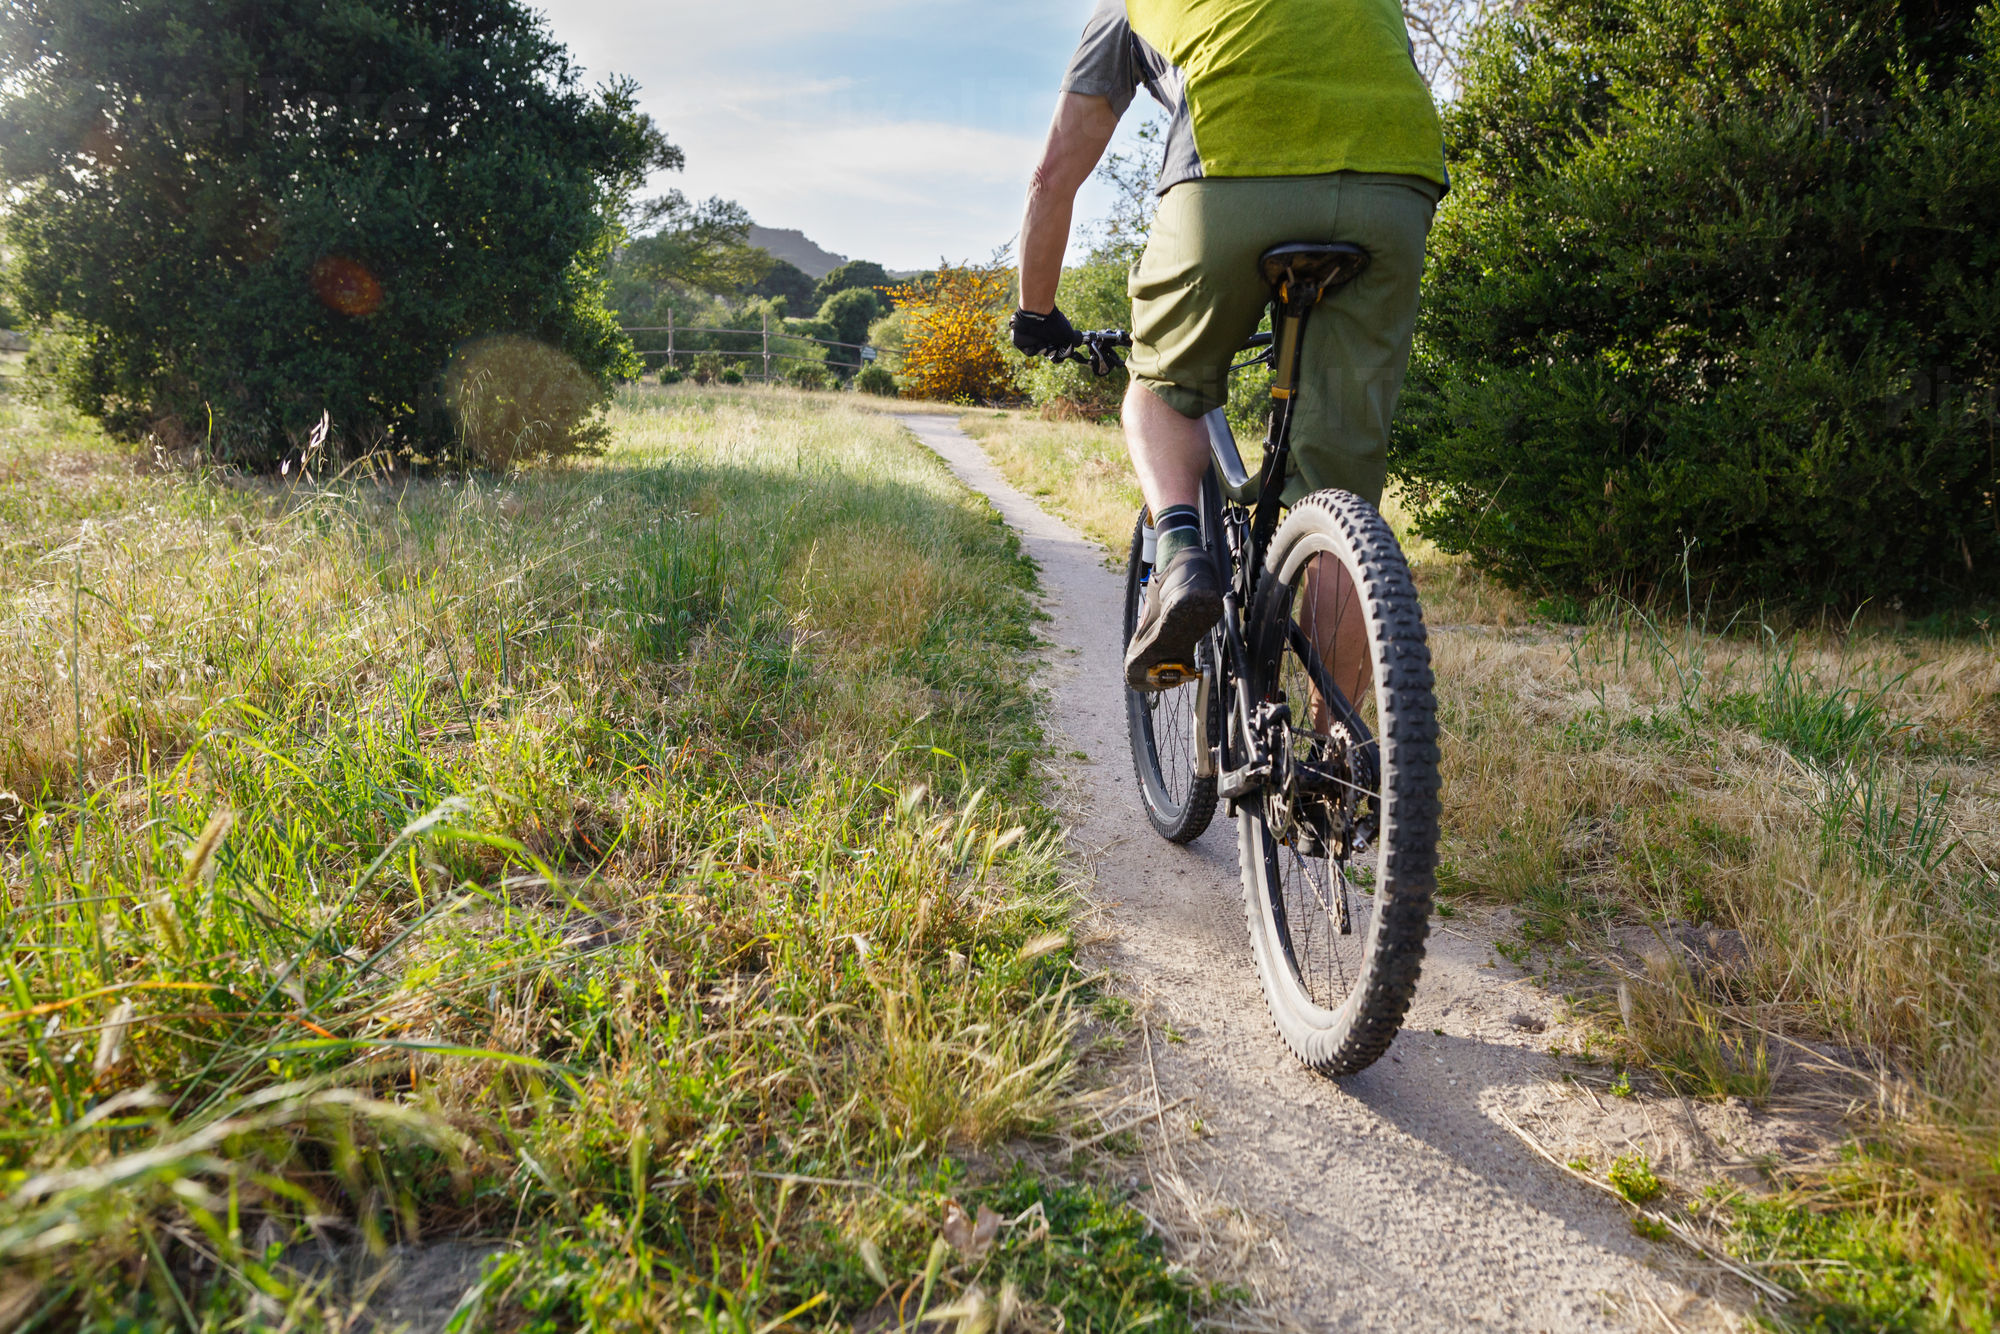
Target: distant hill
(793,247)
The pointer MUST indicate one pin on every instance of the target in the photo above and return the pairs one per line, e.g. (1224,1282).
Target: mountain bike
(1308,712)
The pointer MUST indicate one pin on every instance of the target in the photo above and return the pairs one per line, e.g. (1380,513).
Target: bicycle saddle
(1325,266)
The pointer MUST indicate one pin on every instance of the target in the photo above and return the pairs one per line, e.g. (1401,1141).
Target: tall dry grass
(636,863)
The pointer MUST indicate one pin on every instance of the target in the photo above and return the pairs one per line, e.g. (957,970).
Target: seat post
(1299,274)
(1291,334)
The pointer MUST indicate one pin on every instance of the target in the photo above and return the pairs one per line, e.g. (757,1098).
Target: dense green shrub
(730,375)
(848,314)
(808,376)
(889,335)
(876,379)
(230,253)
(1713,300)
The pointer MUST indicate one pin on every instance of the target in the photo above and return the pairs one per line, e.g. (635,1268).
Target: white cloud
(924,153)
(613,33)
(904,192)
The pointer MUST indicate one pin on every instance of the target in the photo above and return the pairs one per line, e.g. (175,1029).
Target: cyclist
(1300,120)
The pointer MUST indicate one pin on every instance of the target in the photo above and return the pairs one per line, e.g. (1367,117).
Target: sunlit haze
(883,129)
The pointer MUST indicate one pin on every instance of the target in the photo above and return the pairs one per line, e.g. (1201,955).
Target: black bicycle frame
(1246,529)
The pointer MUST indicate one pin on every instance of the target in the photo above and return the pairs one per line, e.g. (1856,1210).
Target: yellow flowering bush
(951,333)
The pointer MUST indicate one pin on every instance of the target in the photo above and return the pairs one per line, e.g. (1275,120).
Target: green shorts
(1197,297)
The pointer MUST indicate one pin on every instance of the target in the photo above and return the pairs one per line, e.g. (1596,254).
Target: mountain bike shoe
(1183,603)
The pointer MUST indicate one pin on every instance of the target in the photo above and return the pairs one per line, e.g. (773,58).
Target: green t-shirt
(1268,87)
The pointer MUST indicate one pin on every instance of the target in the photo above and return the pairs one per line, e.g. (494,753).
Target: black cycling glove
(1040,335)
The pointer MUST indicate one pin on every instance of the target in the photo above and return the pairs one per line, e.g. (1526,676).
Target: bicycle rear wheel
(1339,848)
(1171,729)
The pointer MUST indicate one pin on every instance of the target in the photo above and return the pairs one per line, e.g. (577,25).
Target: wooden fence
(762,354)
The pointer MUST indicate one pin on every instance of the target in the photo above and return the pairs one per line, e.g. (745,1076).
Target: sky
(889,130)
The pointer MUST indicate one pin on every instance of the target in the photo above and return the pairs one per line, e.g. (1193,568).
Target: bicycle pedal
(1167,675)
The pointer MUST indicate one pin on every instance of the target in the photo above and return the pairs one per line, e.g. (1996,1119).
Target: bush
(848,315)
(876,379)
(707,368)
(730,375)
(808,376)
(234,254)
(1713,301)
(952,331)
(671,375)
(1093,295)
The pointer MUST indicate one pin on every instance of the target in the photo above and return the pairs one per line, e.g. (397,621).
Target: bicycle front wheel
(1339,846)
(1171,730)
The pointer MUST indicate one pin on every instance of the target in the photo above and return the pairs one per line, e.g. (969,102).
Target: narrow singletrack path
(1395,1199)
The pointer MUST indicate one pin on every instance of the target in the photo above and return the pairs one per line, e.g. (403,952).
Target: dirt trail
(1393,1199)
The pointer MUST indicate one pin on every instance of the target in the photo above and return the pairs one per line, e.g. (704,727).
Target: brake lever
(1100,360)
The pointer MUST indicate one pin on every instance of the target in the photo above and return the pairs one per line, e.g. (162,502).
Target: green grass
(641,862)
(1633,1177)
(1893,1239)
(1819,725)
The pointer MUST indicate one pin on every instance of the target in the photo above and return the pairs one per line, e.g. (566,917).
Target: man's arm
(1077,139)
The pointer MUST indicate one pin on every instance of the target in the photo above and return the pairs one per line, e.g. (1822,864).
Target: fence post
(670,338)
(767,349)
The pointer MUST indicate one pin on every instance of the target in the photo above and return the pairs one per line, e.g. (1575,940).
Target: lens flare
(516,400)
(347,286)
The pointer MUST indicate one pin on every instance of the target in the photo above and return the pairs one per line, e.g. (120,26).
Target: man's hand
(1043,335)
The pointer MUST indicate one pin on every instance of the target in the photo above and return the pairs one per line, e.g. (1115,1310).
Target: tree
(1711,305)
(786,279)
(854,273)
(1134,178)
(705,246)
(1441,30)
(243,214)
(849,314)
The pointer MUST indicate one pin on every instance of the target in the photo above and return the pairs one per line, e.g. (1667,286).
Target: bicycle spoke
(1338,823)
(1335,758)
(1167,737)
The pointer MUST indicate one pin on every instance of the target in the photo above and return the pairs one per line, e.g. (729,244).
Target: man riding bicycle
(1302,120)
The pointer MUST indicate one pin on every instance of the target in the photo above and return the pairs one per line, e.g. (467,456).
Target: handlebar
(1097,349)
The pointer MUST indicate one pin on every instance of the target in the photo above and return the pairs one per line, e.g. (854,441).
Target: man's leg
(1184,596)
(1169,451)
(1329,610)
(1357,351)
